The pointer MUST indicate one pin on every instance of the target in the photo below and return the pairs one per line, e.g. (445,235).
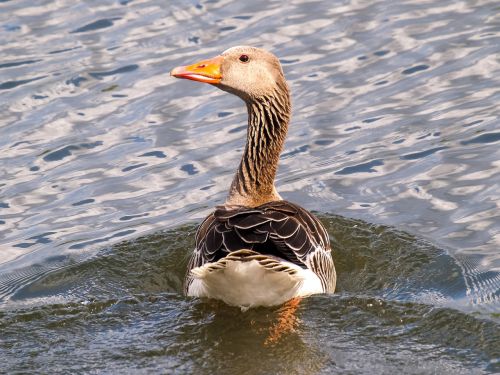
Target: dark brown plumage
(279,229)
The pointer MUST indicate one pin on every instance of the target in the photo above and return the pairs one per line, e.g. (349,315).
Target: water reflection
(230,341)
(393,295)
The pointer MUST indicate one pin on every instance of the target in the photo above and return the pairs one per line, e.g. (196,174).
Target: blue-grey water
(107,164)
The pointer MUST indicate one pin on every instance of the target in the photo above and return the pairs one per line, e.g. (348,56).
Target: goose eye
(244,58)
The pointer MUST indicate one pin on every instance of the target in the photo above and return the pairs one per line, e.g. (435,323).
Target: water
(107,164)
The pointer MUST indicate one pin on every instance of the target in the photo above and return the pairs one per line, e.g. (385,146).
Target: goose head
(248,72)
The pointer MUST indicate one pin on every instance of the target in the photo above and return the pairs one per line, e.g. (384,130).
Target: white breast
(248,283)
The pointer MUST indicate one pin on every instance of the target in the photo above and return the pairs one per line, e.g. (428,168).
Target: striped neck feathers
(268,117)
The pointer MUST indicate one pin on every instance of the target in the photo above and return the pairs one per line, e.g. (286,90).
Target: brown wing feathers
(278,228)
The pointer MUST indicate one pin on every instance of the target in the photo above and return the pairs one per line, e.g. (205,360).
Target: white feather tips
(247,279)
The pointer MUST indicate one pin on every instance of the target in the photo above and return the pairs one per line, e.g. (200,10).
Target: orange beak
(207,71)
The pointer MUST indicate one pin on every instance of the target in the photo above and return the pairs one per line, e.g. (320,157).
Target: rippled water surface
(107,164)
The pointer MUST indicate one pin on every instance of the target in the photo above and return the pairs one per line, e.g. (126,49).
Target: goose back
(278,229)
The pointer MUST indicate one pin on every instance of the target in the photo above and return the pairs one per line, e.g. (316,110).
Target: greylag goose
(257,249)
